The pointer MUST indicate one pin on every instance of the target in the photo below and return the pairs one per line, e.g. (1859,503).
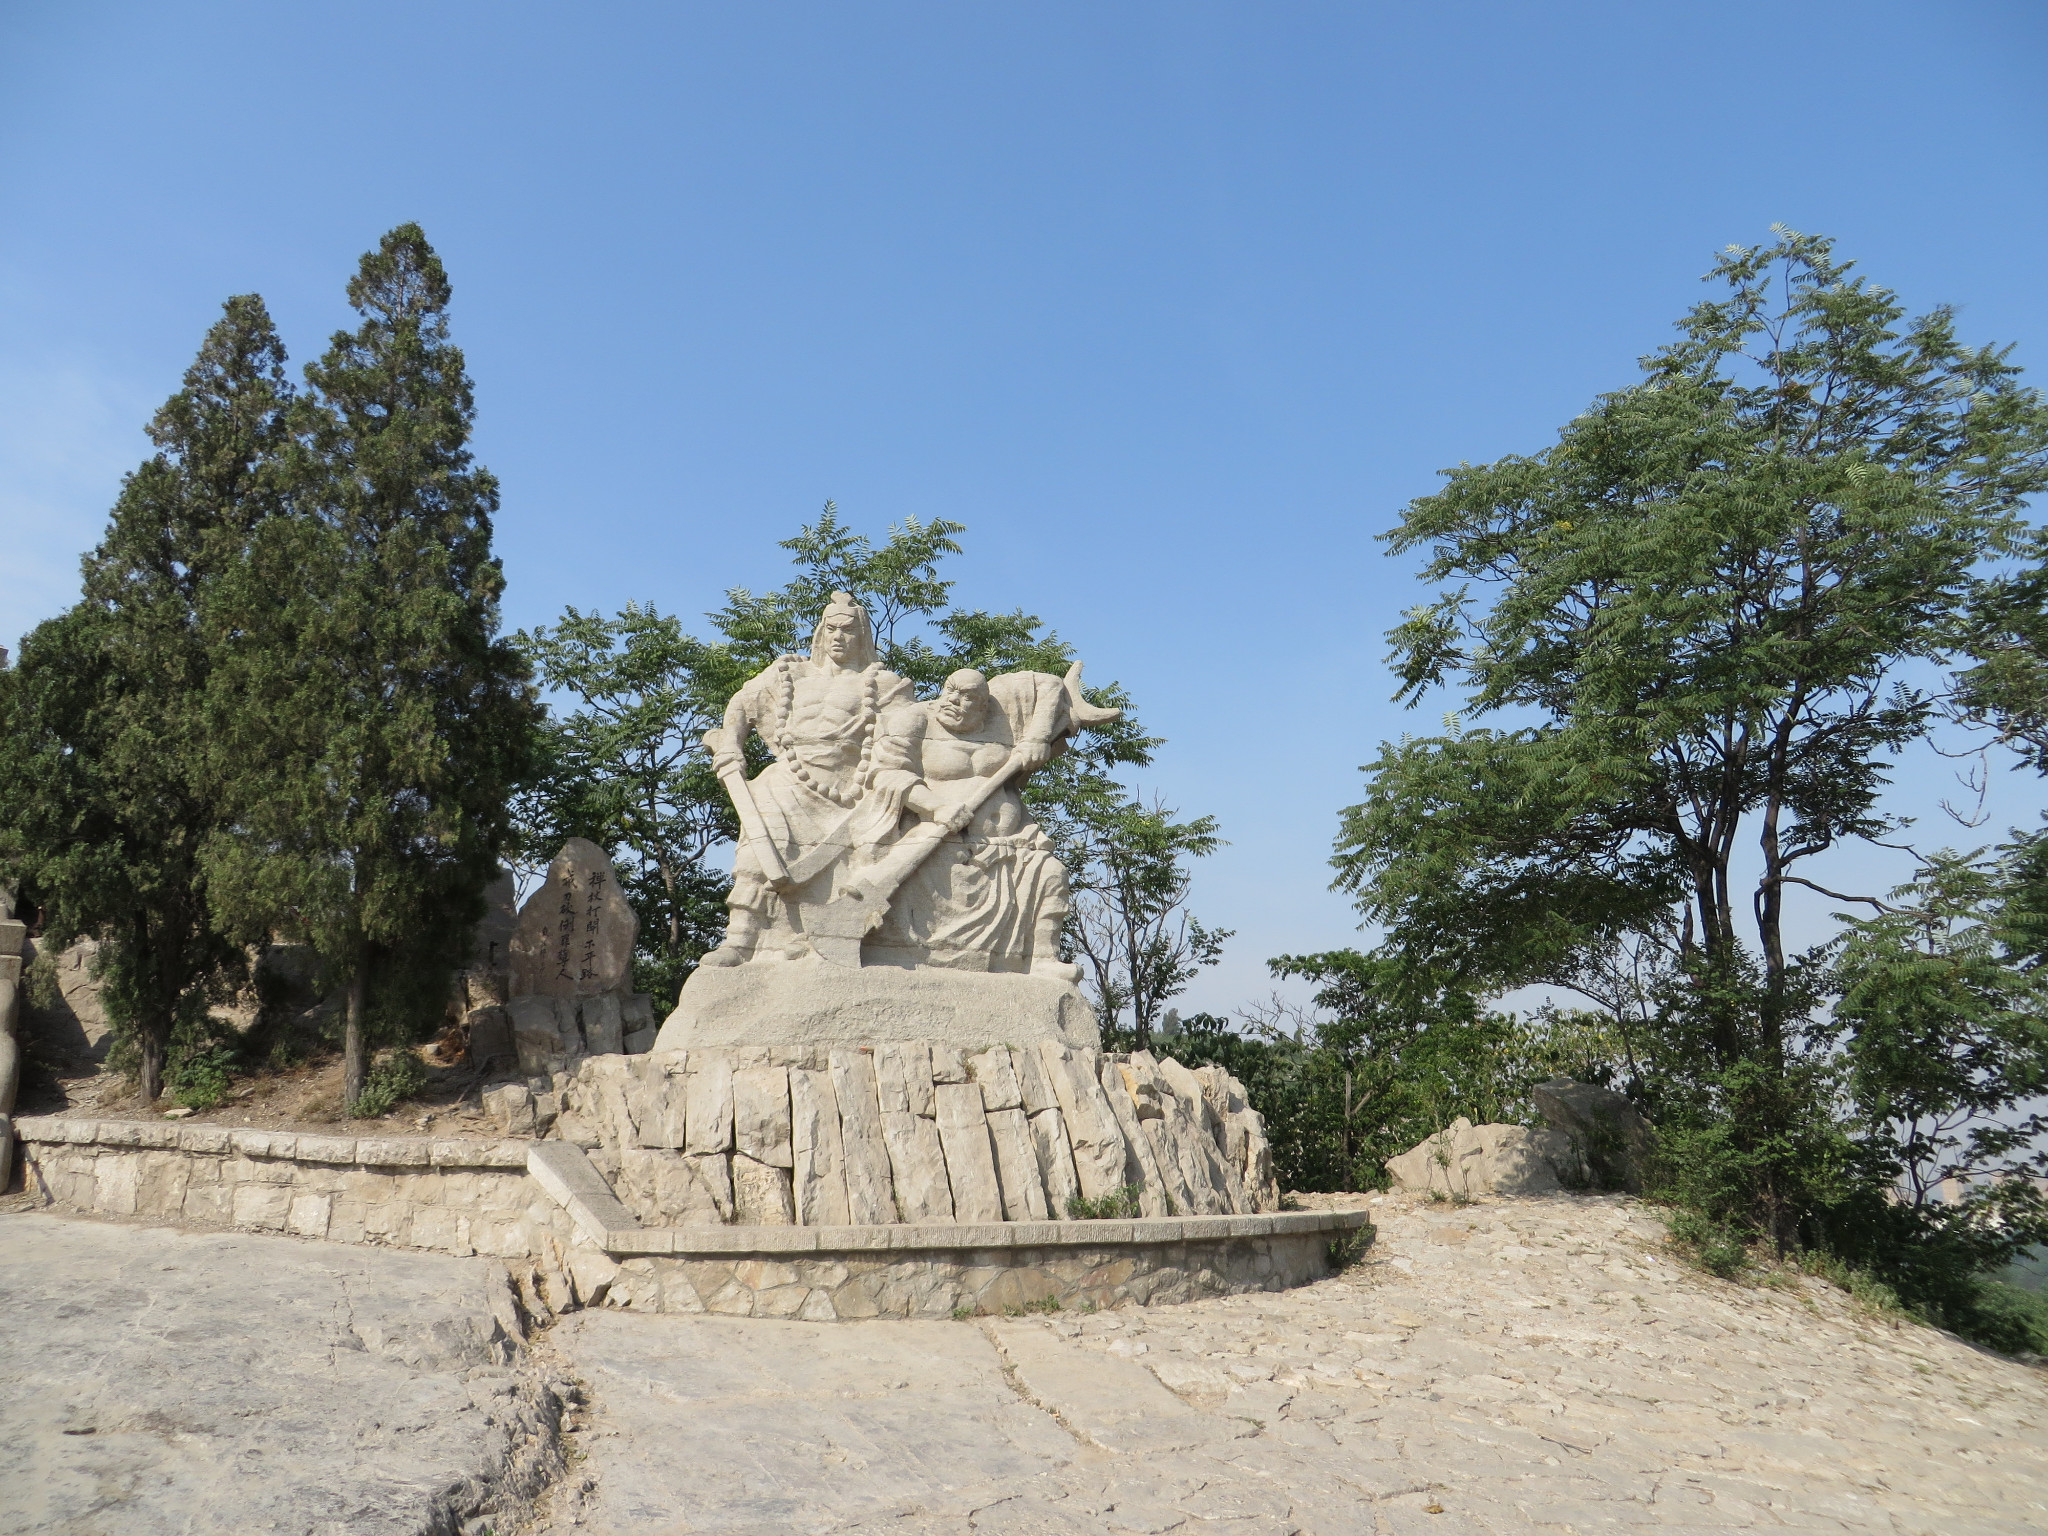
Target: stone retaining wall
(543,1207)
(941,1282)
(443,1195)
(13,937)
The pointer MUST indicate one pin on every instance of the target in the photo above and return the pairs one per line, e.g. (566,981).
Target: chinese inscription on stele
(576,932)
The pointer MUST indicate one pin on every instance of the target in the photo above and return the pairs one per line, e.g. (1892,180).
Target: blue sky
(1173,305)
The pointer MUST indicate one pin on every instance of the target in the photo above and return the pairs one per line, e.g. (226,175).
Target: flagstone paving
(1511,1366)
(1531,1365)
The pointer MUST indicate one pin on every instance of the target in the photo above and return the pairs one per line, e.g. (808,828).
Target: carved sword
(733,775)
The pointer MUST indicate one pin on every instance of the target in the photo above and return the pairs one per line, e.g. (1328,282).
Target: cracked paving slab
(156,1381)
(1512,1366)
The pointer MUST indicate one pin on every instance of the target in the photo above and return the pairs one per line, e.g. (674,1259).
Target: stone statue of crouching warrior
(990,896)
(888,830)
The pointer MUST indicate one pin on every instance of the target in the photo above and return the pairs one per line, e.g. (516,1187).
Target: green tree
(372,723)
(898,584)
(2006,687)
(1710,597)
(104,778)
(1130,927)
(1941,1017)
(626,768)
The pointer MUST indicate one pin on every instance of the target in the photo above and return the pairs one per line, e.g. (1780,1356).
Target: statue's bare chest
(826,706)
(954,757)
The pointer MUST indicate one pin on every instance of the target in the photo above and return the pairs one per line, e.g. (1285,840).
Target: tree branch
(1836,895)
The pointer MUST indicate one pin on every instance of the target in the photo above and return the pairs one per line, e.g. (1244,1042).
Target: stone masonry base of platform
(568,1242)
(945,1282)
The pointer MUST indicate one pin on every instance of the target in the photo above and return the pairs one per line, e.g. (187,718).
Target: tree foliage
(1380,1059)
(1941,1020)
(105,773)
(367,718)
(626,768)
(1710,604)
(1130,927)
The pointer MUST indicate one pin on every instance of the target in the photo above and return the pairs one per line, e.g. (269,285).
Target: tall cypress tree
(374,721)
(103,764)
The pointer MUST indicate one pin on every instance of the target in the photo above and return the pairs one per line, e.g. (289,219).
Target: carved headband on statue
(843,605)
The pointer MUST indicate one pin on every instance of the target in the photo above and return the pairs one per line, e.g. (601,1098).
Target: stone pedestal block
(813,1002)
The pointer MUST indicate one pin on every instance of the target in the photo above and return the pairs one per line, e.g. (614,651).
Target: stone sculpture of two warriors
(890,830)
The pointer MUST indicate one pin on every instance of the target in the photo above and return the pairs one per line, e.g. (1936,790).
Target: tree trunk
(1347,1119)
(152,1023)
(354,1059)
(153,1037)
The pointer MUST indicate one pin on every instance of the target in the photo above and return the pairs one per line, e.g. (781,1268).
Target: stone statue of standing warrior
(888,830)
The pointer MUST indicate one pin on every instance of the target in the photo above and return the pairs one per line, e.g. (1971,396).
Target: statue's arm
(899,762)
(1030,701)
(899,751)
(728,742)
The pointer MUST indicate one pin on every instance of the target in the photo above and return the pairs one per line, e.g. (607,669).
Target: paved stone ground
(154,1381)
(1538,1365)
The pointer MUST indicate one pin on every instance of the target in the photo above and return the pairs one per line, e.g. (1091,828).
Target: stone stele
(576,933)
(890,882)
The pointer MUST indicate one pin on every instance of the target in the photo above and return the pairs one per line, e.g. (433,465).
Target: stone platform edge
(292,1146)
(565,1173)
(1150,1232)
(545,1209)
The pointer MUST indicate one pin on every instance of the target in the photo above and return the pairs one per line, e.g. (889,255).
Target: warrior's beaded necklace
(784,747)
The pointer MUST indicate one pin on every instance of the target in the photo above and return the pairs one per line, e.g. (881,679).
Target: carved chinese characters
(576,933)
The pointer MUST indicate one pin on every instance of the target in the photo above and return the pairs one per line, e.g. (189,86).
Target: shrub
(1713,1246)
(398,1076)
(1118,1205)
(199,1077)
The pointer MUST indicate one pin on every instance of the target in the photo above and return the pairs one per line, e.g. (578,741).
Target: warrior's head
(844,638)
(963,704)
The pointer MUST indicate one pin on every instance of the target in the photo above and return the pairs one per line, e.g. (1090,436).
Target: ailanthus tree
(1689,634)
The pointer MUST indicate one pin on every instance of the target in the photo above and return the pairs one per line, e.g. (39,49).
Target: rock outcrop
(910,1131)
(1596,1139)
(1610,1139)
(1466,1160)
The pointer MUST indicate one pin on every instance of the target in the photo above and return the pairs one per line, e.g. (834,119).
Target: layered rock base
(918,1132)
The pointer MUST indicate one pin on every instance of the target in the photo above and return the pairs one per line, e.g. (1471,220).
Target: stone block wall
(446,1196)
(13,937)
(487,1197)
(916,1132)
